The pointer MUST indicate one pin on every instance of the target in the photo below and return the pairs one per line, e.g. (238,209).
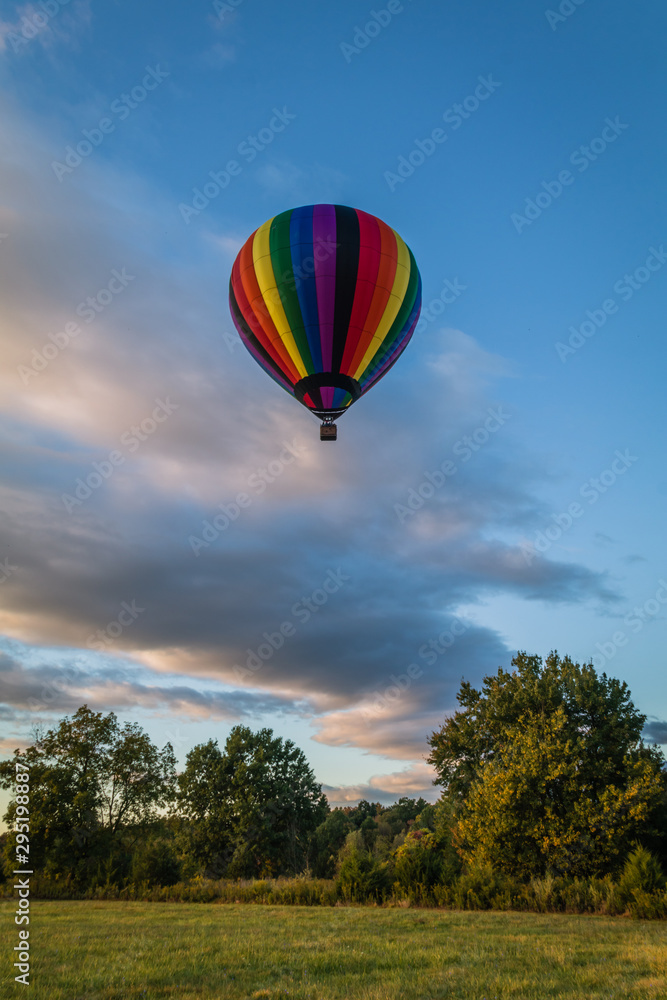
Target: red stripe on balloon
(369,262)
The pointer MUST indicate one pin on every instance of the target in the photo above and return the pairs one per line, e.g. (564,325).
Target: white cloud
(413,782)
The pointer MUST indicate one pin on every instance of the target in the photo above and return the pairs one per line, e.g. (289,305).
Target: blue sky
(540,205)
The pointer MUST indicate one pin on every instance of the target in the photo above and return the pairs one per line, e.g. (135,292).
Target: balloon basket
(328,432)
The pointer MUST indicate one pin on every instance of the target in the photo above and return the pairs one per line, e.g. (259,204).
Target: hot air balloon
(325,298)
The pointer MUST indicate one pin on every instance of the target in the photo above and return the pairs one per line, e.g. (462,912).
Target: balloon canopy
(325,298)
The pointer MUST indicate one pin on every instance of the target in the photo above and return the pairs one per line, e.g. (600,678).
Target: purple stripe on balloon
(281,380)
(327,396)
(324,236)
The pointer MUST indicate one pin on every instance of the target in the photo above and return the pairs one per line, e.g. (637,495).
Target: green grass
(127,951)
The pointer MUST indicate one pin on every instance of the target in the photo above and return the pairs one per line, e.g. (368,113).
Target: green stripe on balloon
(281,261)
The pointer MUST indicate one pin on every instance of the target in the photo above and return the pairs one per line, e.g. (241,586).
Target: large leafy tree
(252,808)
(546,769)
(90,779)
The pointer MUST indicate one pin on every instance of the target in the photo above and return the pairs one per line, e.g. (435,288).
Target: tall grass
(480,888)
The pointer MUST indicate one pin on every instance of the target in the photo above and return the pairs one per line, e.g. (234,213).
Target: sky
(503,488)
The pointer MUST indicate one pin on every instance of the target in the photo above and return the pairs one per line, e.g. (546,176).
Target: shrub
(642,871)
(482,887)
(542,892)
(418,861)
(156,864)
(361,877)
(641,887)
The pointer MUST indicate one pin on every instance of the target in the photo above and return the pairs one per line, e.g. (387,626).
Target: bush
(156,864)
(641,887)
(361,877)
(418,861)
(642,871)
(481,887)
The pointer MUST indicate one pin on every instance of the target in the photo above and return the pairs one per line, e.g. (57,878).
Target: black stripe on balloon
(312,384)
(347,266)
(240,320)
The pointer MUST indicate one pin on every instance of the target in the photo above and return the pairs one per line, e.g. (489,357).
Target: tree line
(543,775)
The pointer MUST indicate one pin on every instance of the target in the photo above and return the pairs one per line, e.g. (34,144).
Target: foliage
(90,779)
(156,863)
(361,876)
(327,841)
(546,770)
(547,790)
(364,880)
(597,709)
(418,861)
(251,809)
(483,887)
(641,886)
(532,811)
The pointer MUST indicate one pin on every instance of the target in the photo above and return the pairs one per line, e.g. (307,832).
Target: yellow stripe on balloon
(398,290)
(261,257)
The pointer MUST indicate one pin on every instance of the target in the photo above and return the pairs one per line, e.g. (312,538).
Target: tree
(532,811)
(203,803)
(327,841)
(361,876)
(90,779)
(403,812)
(546,769)
(253,807)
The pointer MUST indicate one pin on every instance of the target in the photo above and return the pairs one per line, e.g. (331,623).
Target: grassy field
(123,951)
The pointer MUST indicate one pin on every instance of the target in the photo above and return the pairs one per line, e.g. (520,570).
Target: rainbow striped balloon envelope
(325,298)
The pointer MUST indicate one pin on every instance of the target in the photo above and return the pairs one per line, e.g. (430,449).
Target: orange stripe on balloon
(271,340)
(253,322)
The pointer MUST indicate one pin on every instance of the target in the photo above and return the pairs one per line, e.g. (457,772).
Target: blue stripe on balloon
(303,265)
